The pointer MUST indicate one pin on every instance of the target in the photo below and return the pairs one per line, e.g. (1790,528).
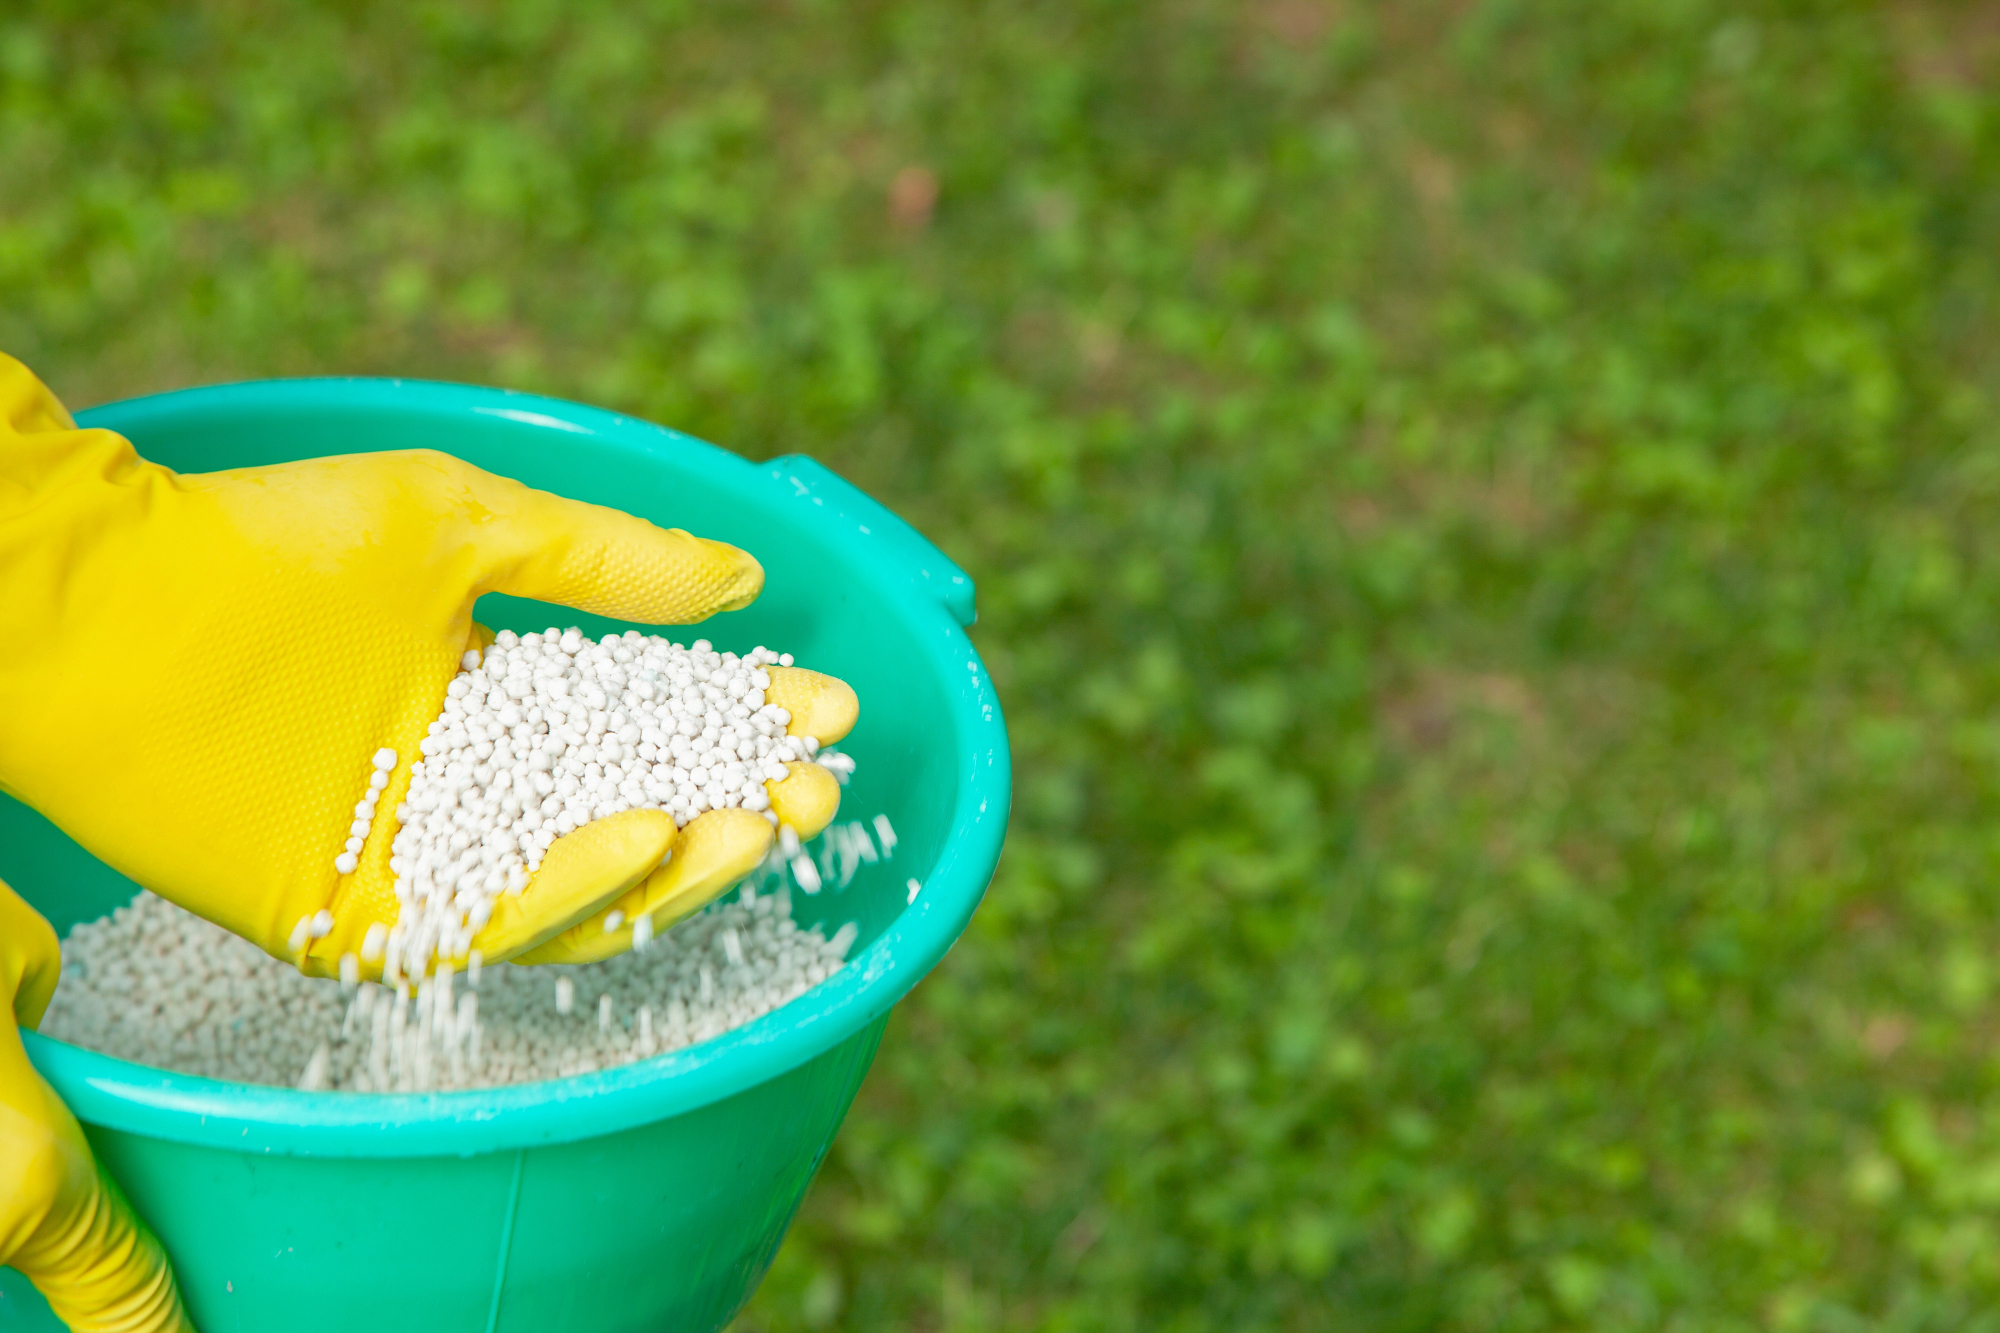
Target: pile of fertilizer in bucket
(158,985)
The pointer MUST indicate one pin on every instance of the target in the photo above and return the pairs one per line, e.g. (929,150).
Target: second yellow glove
(62,1220)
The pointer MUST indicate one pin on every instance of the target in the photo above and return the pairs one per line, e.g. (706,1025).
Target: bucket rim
(122,1095)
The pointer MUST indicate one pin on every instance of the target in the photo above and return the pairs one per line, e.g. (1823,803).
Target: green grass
(1485,524)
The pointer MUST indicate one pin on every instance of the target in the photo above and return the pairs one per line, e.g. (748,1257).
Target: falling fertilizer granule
(159,985)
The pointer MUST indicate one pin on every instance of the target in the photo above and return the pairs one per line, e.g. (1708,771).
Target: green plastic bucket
(648,1197)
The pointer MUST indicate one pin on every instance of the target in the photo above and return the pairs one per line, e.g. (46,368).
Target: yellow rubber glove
(62,1221)
(201,667)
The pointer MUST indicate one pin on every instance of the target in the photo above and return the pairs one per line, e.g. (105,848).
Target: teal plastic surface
(648,1197)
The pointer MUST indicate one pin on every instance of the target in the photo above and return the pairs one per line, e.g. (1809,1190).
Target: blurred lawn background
(1484,515)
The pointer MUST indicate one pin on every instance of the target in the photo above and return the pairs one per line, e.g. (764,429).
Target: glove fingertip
(807,799)
(823,707)
(738,575)
(615,564)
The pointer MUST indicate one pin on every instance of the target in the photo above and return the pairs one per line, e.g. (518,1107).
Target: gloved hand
(62,1220)
(201,668)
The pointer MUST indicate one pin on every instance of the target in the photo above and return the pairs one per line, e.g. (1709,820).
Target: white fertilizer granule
(542,734)
(158,985)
